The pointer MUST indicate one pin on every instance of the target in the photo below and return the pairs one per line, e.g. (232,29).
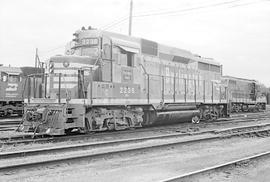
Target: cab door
(106,64)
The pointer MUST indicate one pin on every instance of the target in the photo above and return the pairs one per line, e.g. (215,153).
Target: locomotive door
(253,91)
(106,65)
(84,79)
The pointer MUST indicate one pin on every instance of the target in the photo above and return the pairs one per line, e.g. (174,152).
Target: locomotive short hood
(73,59)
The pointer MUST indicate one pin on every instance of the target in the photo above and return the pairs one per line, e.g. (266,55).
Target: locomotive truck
(109,81)
(12,88)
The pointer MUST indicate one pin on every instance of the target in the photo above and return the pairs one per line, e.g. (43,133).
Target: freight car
(12,88)
(244,94)
(109,81)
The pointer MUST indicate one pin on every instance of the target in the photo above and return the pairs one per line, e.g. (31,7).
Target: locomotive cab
(10,91)
(82,78)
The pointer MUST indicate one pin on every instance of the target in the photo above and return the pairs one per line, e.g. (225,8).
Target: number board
(115,90)
(127,75)
(126,90)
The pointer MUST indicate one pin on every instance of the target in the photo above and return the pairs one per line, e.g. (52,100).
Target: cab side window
(123,57)
(130,59)
(115,55)
(127,58)
(4,77)
(106,51)
(106,48)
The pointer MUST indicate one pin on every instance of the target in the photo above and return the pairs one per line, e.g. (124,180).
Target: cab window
(13,78)
(4,77)
(127,58)
(86,47)
(123,57)
(106,48)
(106,51)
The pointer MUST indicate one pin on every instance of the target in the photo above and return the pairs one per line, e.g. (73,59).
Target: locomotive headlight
(66,64)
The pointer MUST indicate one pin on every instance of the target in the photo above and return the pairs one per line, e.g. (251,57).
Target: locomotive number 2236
(127,90)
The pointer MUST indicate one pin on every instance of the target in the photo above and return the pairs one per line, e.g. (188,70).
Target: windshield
(89,51)
(87,47)
(13,78)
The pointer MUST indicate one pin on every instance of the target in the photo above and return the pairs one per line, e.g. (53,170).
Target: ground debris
(244,163)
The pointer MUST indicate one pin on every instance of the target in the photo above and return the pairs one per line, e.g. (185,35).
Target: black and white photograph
(134,90)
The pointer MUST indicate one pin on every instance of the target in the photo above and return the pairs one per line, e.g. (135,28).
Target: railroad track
(26,139)
(9,124)
(240,115)
(10,120)
(188,175)
(14,161)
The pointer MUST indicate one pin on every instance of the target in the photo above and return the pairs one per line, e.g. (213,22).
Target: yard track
(9,124)
(27,139)
(88,151)
(186,176)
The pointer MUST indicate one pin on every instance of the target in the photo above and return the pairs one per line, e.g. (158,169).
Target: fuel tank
(170,117)
(173,107)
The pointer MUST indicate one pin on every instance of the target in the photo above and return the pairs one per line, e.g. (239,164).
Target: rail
(135,144)
(215,167)
(26,139)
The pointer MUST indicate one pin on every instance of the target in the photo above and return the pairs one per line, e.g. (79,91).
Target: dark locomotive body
(109,81)
(244,95)
(13,89)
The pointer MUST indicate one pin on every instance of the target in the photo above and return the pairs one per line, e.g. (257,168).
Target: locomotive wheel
(110,126)
(245,108)
(68,131)
(9,112)
(213,115)
(237,109)
(195,119)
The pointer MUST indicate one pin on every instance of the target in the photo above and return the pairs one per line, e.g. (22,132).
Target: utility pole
(130,18)
(37,61)
(36,58)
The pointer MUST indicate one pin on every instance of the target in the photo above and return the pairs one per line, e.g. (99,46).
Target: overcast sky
(234,32)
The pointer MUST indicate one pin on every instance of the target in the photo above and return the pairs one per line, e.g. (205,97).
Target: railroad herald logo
(12,87)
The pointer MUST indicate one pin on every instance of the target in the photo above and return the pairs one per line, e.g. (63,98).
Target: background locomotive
(109,81)
(244,94)
(12,88)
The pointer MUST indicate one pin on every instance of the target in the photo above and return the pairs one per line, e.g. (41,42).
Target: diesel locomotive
(13,88)
(109,81)
(244,95)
